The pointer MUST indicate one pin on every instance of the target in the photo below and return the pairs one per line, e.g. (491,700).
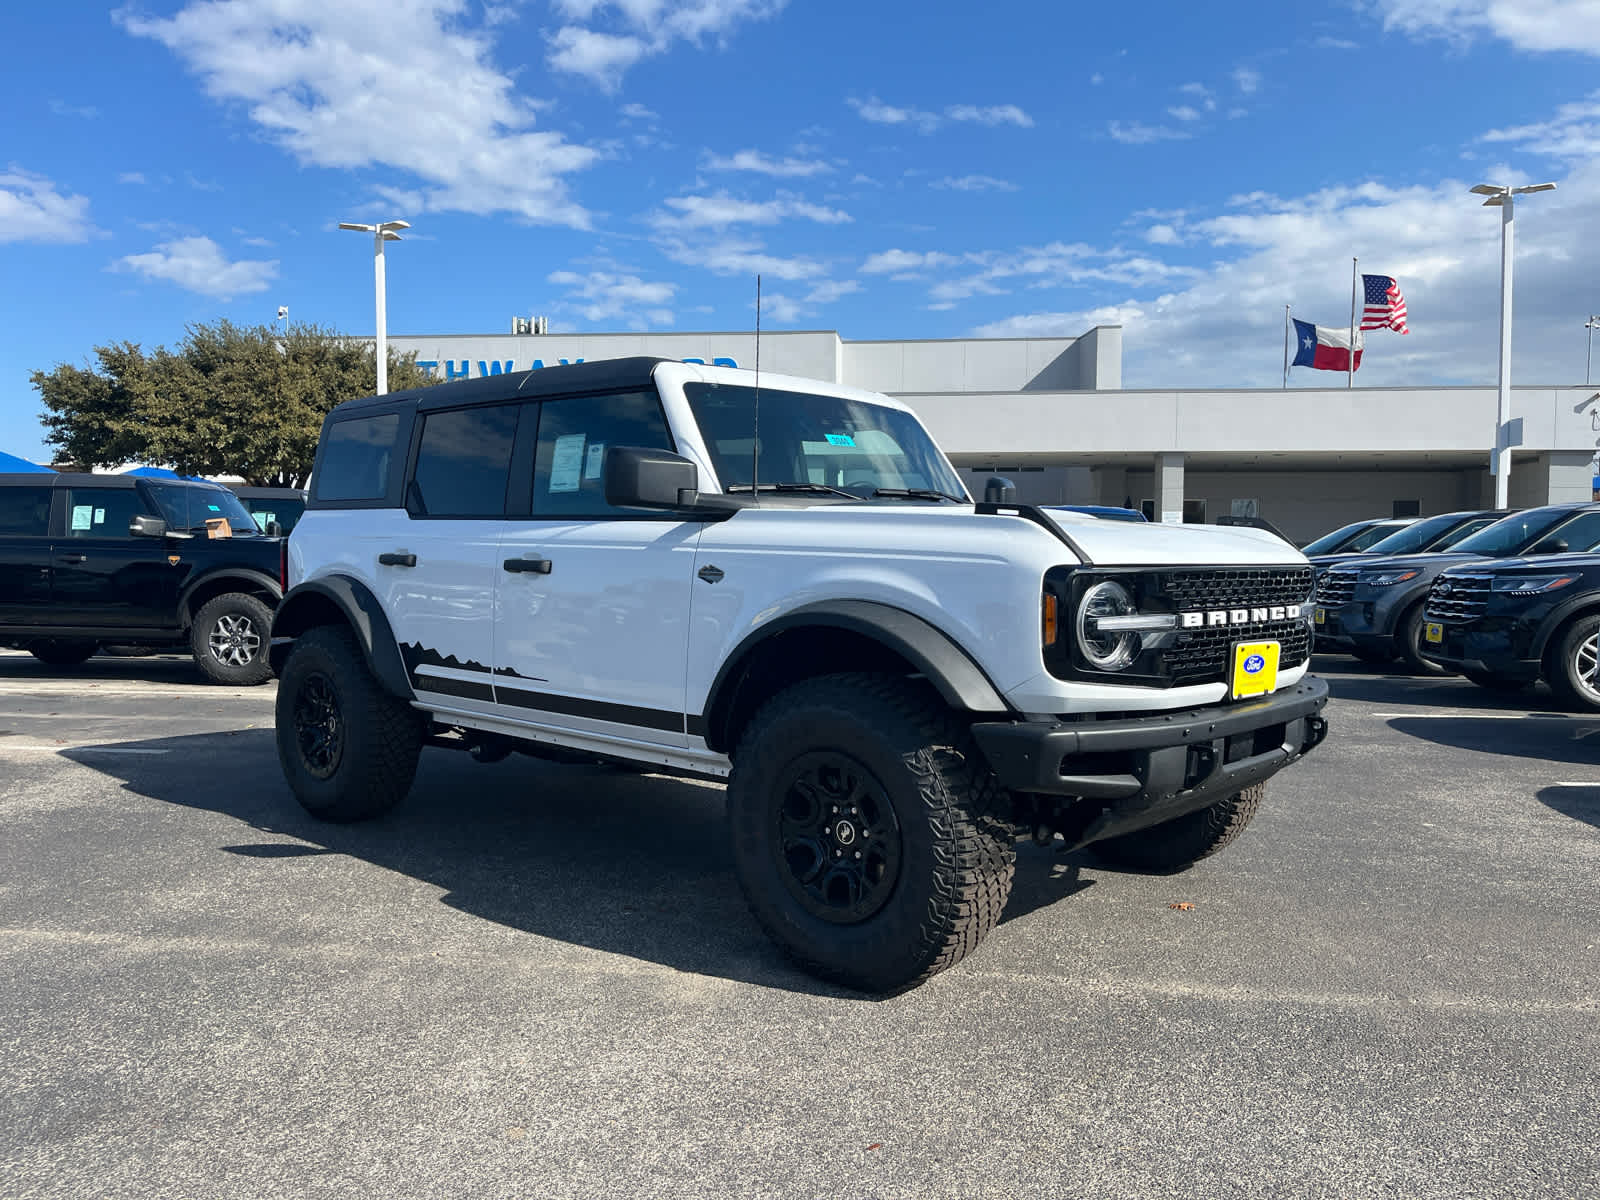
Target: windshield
(285,511)
(1508,535)
(187,507)
(1330,543)
(1433,534)
(825,442)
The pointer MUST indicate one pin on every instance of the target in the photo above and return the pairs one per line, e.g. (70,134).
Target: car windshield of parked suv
(820,443)
(1436,533)
(1510,534)
(187,507)
(285,511)
(1330,543)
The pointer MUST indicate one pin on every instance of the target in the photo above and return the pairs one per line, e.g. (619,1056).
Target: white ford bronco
(784,584)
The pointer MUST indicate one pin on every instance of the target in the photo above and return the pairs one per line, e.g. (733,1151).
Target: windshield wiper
(916,494)
(818,488)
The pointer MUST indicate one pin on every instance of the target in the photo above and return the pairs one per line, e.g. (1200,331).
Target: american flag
(1385,306)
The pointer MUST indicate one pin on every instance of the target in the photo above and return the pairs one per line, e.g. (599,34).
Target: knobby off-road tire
(1574,671)
(867,831)
(1408,636)
(348,748)
(1498,683)
(230,638)
(1181,843)
(62,652)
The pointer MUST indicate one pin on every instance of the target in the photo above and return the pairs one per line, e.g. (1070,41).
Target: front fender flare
(260,579)
(306,606)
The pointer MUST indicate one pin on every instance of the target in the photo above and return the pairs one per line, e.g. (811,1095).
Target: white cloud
(1195,89)
(748,257)
(338,84)
(1134,133)
(1247,79)
(32,210)
(1574,132)
(1162,235)
(1097,79)
(721,210)
(974,183)
(61,108)
(754,160)
(638,112)
(1333,43)
(134,177)
(997,114)
(1541,25)
(197,264)
(1184,112)
(785,310)
(878,112)
(641,28)
(616,295)
(902,262)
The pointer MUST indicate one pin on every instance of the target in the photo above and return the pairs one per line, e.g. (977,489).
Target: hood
(1130,544)
(1337,560)
(1557,563)
(1400,562)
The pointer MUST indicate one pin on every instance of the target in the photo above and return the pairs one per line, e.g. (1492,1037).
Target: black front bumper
(1141,771)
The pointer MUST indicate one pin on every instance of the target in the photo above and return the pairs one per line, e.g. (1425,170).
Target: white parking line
(1481,716)
(8,746)
(1594,783)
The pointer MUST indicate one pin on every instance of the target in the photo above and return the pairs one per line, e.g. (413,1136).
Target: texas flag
(1324,349)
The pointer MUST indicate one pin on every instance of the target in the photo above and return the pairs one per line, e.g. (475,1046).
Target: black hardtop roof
(251,491)
(602,375)
(84,479)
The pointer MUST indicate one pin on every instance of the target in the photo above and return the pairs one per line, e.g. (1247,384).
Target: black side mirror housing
(273,529)
(143,526)
(637,477)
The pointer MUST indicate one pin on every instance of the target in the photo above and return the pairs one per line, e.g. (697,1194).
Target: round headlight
(1106,651)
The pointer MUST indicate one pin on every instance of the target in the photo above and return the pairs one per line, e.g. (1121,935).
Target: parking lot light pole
(384,231)
(1504,198)
(1591,325)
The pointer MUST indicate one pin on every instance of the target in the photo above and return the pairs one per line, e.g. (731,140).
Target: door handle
(539,566)
(74,558)
(397,560)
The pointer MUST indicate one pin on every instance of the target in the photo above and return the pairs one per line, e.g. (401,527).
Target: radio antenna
(755,424)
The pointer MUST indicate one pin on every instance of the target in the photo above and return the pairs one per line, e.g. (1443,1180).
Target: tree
(229,400)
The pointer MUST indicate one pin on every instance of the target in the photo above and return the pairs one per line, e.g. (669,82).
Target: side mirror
(142,526)
(273,529)
(1550,546)
(636,477)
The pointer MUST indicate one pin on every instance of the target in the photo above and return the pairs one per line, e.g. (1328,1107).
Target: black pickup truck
(94,560)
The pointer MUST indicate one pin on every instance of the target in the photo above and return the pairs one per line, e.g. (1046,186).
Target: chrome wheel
(234,640)
(1586,667)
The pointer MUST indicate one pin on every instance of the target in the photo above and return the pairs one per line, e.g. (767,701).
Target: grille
(1336,588)
(1458,597)
(1202,655)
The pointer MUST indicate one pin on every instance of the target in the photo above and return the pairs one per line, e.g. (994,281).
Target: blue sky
(893,170)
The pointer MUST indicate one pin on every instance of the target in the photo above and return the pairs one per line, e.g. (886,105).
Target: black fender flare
(303,607)
(960,681)
(1559,616)
(260,579)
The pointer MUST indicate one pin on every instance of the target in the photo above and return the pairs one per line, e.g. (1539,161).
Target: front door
(24,554)
(593,602)
(104,577)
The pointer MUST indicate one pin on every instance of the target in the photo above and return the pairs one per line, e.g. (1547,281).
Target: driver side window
(1581,534)
(573,436)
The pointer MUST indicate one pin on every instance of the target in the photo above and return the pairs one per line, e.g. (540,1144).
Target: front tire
(1574,673)
(230,639)
(866,835)
(348,748)
(62,652)
(1409,637)
(1178,844)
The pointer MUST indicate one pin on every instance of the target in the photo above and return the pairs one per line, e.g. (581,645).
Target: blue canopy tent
(11,464)
(161,473)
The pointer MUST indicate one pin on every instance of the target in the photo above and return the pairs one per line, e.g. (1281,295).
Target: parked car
(1507,623)
(1356,536)
(1373,607)
(272,506)
(1104,511)
(1426,536)
(92,560)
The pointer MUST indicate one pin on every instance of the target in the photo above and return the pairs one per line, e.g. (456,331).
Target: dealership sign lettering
(461,368)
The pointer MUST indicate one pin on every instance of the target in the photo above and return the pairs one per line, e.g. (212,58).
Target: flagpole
(1286,345)
(1350,379)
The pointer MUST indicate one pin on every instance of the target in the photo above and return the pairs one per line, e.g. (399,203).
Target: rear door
(103,576)
(25,554)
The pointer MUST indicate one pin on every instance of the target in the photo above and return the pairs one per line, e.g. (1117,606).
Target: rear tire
(1409,637)
(348,748)
(1178,844)
(230,638)
(1574,672)
(866,835)
(62,652)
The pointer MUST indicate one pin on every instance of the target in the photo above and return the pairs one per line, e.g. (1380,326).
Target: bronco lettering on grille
(1240,616)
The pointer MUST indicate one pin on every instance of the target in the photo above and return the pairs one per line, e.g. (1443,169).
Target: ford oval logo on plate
(1254,663)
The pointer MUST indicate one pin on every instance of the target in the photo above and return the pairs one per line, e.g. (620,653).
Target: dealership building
(1051,414)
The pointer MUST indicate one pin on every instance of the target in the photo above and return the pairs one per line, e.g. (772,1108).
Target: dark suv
(1505,624)
(91,560)
(1427,536)
(275,509)
(1372,607)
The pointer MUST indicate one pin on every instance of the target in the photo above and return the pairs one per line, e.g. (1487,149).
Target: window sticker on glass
(595,460)
(82,516)
(99,516)
(841,439)
(214,507)
(566,462)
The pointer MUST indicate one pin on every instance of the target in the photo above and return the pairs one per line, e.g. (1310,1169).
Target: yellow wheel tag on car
(1255,669)
(1321,616)
(1433,631)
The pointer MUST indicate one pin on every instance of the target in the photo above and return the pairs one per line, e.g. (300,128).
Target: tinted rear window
(24,511)
(463,461)
(356,457)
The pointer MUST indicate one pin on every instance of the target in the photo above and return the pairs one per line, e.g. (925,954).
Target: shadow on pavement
(1352,680)
(1579,803)
(165,667)
(627,864)
(1551,738)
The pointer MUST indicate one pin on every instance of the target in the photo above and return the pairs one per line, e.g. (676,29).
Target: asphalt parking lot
(533,980)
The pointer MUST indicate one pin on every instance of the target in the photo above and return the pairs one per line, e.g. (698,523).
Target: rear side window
(573,436)
(355,460)
(101,512)
(24,511)
(463,460)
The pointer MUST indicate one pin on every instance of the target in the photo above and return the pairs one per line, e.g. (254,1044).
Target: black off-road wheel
(62,652)
(1175,845)
(1573,671)
(230,638)
(1408,635)
(1499,683)
(348,748)
(867,831)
